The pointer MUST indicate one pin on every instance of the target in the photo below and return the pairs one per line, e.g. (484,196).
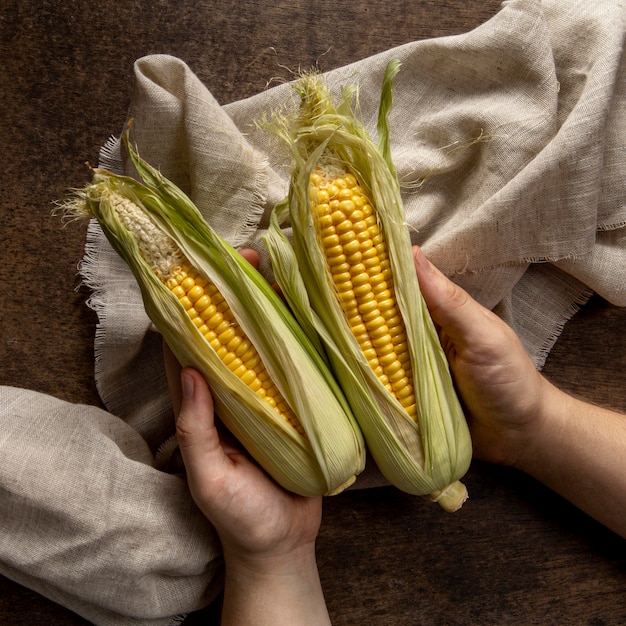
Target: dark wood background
(516,553)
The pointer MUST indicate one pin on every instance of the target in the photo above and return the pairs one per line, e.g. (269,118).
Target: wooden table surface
(516,553)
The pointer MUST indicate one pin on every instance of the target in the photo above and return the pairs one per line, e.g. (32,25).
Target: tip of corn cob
(450,498)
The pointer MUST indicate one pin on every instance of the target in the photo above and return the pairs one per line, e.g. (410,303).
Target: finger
(276,287)
(173,374)
(252,256)
(456,313)
(198,438)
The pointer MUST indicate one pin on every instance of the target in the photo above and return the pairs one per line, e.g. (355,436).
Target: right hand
(502,392)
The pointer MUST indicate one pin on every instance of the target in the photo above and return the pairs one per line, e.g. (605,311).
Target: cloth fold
(509,144)
(89,522)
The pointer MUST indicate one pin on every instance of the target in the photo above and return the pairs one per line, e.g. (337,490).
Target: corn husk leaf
(427,457)
(329,457)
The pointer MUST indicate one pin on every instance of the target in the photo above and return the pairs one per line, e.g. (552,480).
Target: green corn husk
(330,455)
(423,457)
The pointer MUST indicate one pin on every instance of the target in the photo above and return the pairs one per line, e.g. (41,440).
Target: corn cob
(203,303)
(357,291)
(271,388)
(358,264)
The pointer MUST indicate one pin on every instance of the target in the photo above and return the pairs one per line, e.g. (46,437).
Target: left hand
(253,515)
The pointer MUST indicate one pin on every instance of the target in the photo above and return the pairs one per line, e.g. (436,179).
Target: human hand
(253,516)
(267,534)
(503,394)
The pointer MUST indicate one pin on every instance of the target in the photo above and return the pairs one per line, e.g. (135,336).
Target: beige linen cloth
(510,145)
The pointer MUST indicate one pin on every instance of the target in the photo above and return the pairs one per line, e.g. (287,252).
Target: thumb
(456,313)
(198,438)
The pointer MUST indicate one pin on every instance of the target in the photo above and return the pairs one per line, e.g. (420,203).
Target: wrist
(278,589)
(279,562)
(541,441)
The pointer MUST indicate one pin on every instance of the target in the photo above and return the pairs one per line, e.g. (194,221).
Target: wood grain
(516,553)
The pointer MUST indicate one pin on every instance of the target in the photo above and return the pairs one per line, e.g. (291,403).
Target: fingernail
(187,384)
(421,260)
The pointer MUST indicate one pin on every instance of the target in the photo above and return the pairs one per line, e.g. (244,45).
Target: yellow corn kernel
(362,279)
(245,364)
(205,305)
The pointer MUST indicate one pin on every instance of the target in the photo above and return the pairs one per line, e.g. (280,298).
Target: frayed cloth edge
(110,155)
(568,313)
(250,223)
(88,269)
